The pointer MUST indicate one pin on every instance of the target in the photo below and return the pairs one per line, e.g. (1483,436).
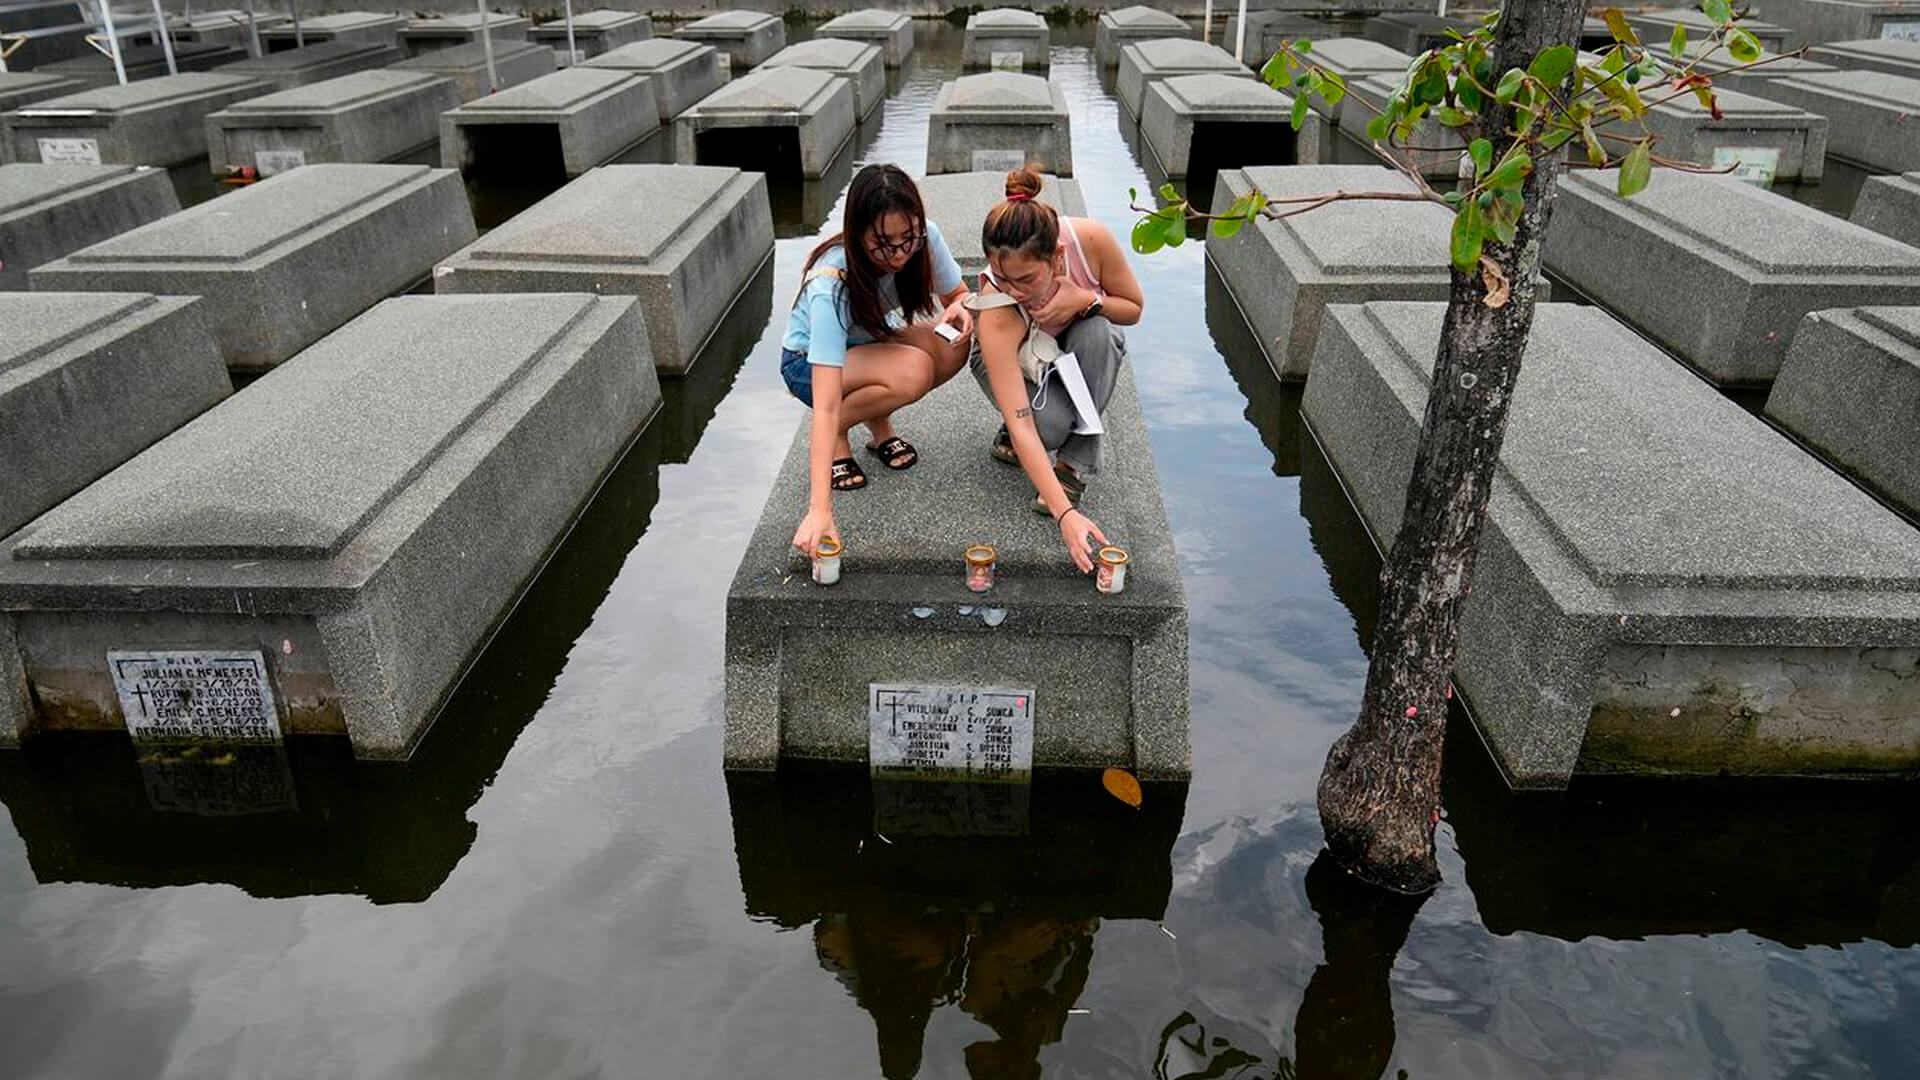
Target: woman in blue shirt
(853,352)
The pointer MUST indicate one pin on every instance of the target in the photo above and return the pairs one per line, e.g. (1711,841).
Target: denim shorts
(799,375)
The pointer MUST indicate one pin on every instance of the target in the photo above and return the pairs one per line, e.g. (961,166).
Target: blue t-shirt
(818,325)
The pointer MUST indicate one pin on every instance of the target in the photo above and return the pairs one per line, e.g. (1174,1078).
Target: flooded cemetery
(406,670)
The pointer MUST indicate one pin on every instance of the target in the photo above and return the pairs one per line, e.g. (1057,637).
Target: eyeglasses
(882,249)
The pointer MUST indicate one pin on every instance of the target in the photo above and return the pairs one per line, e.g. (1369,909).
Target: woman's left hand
(957,315)
(1069,300)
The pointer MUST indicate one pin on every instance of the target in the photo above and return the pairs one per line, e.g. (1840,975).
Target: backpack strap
(832,272)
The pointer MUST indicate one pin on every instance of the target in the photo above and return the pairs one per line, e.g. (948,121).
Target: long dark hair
(1023,222)
(878,190)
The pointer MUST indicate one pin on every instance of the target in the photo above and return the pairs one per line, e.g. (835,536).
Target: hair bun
(1024,180)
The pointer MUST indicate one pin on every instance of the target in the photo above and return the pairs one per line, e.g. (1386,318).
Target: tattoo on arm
(1022,414)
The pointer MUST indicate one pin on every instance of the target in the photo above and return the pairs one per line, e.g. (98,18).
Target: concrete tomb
(1718,271)
(1353,59)
(1771,141)
(685,239)
(1891,56)
(143,62)
(284,262)
(583,116)
(1282,274)
(958,204)
(334,544)
(370,116)
(792,115)
(223,27)
(594,32)
(1223,120)
(153,122)
(1414,32)
(997,120)
(747,38)
(1656,28)
(317,63)
(1645,599)
(1266,30)
(682,72)
(862,65)
(1816,22)
(1712,60)
(445,31)
(379,27)
(891,30)
(1873,117)
(1434,164)
(1850,390)
(1150,61)
(1890,206)
(87,380)
(1118,29)
(22,88)
(514,62)
(1006,39)
(47,211)
(1107,674)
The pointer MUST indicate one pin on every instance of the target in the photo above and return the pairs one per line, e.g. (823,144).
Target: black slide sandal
(892,450)
(847,475)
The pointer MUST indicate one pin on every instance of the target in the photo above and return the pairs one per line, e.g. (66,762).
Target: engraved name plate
(177,695)
(977,733)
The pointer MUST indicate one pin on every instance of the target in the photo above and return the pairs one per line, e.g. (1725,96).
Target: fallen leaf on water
(1121,785)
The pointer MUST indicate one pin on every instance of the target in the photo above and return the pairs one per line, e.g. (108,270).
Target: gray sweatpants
(1101,348)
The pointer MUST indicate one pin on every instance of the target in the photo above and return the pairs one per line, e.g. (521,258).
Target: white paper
(1086,414)
(69,152)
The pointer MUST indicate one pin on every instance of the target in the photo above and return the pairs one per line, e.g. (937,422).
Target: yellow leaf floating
(1121,785)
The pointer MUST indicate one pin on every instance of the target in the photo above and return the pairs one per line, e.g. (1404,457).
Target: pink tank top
(1079,270)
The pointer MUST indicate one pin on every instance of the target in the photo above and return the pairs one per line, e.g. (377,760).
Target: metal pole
(1239,34)
(299,39)
(113,39)
(253,33)
(486,46)
(573,53)
(1206,22)
(166,37)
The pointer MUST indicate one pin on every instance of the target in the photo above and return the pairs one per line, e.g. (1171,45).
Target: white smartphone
(947,330)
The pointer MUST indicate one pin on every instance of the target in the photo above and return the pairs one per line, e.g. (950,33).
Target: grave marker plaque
(69,151)
(174,695)
(972,733)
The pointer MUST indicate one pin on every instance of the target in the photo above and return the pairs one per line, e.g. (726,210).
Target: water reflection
(1273,407)
(310,819)
(689,402)
(924,895)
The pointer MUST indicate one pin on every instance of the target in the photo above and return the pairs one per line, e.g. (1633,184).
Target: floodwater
(563,883)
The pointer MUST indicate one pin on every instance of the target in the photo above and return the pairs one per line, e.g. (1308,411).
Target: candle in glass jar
(826,561)
(980,560)
(1110,575)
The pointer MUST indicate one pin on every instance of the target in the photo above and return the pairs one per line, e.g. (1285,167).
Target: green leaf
(1333,89)
(1174,230)
(1553,65)
(1510,84)
(1300,111)
(1377,127)
(1720,11)
(1677,47)
(1469,96)
(1621,30)
(1596,154)
(1228,226)
(1303,46)
(1274,73)
(1512,170)
(1482,153)
(1147,233)
(1469,235)
(1453,198)
(1636,170)
(1452,117)
(1743,46)
(1133,194)
(1169,193)
(1557,138)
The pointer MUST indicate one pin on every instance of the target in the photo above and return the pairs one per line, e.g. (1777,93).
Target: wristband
(1063,514)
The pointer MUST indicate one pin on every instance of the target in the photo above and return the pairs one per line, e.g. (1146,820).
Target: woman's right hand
(816,524)
(1082,537)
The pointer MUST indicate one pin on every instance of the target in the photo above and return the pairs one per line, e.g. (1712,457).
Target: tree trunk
(1380,791)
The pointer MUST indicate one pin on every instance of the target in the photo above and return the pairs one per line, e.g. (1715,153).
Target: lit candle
(980,559)
(826,561)
(1111,575)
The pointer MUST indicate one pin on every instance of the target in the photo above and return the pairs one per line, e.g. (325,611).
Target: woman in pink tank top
(1070,278)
